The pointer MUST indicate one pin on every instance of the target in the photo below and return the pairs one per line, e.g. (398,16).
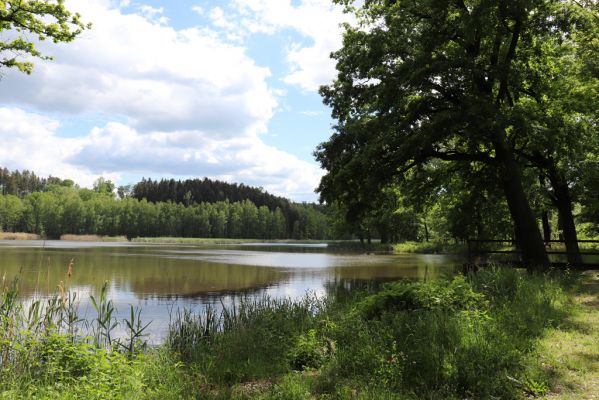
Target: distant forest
(193,208)
(205,190)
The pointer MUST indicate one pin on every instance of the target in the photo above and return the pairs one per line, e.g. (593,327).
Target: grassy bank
(496,334)
(430,248)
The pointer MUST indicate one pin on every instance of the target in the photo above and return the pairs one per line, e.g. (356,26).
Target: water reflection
(162,278)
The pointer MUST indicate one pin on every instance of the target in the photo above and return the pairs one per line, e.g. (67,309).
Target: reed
(19,236)
(93,238)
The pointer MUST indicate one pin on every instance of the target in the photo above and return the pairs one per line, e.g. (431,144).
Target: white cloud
(153,75)
(153,14)
(189,103)
(198,10)
(30,142)
(316,20)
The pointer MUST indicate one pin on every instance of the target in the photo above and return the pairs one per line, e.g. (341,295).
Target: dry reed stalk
(19,236)
(81,238)
(70,267)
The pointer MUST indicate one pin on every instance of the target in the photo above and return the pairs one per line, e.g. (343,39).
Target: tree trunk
(425,231)
(563,202)
(527,231)
(384,236)
(546,226)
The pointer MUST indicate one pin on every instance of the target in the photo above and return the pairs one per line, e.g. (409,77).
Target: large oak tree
(424,79)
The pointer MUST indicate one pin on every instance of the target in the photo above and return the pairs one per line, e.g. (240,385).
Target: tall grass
(466,337)
(469,336)
(44,342)
(248,340)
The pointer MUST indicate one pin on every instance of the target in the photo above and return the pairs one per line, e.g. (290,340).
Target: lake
(160,279)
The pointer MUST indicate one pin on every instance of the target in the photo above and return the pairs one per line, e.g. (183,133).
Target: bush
(440,295)
(308,353)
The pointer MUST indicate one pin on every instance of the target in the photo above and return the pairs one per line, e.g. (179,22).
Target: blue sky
(226,89)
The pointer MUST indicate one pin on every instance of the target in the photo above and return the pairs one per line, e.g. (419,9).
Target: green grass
(463,338)
(568,355)
(429,247)
(499,333)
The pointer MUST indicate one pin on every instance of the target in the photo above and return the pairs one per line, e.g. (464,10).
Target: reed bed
(92,238)
(19,236)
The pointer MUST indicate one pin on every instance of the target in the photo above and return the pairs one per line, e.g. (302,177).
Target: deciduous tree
(24,21)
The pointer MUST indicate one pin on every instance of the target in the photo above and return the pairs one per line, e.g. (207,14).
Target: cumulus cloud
(316,20)
(154,75)
(153,14)
(30,142)
(187,101)
(198,10)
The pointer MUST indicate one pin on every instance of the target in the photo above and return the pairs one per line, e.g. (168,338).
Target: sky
(225,89)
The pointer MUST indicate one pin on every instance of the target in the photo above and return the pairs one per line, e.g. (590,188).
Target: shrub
(439,295)
(309,352)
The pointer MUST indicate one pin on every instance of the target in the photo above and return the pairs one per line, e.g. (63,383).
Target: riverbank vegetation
(498,333)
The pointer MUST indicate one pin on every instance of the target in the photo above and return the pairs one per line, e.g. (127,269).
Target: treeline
(53,207)
(192,191)
(67,210)
(204,191)
(21,183)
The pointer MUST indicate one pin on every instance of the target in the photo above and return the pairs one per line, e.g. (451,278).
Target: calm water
(163,278)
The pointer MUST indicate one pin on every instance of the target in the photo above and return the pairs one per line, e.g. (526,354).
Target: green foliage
(438,295)
(40,19)
(69,210)
(45,353)
(290,388)
(451,100)
(463,338)
(309,352)
(249,340)
(468,337)
(432,247)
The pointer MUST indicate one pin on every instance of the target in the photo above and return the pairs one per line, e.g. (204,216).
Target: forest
(52,207)
(439,208)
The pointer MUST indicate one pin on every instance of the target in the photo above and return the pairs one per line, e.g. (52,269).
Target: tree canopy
(44,19)
(423,80)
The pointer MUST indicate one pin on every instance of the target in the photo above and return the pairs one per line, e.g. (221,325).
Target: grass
(499,333)
(430,247)
(568,357)
(479,337)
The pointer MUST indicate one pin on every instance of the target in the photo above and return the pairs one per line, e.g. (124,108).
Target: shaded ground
(570,354)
